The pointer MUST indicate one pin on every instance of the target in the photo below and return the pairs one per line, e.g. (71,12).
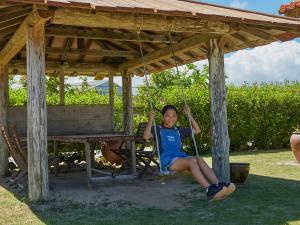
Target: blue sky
(266,6)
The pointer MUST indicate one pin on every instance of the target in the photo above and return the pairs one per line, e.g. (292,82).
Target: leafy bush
(261,114)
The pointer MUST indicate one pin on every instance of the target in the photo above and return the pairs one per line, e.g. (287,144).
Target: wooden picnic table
(87,140)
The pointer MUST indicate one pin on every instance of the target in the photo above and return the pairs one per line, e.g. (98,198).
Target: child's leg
(190,163)
(208,172)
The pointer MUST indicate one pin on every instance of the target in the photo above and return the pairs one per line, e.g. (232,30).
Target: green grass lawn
(270,196)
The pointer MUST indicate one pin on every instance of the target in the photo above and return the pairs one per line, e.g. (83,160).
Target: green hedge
(264,115)
(259,116)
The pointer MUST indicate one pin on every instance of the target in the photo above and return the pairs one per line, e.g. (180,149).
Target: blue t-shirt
(170,143)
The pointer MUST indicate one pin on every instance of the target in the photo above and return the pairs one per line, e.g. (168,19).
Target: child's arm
(195,125)
(147,132)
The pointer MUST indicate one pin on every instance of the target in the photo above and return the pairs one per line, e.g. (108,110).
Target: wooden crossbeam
(18,40)
(11,23)
(109,35)
(70,67)
(131,21)
(4,4)
(15,15)
(166,52)
(258,33)
(92,52)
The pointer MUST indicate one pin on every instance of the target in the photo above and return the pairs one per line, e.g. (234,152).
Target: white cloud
(238,4)
(275,62)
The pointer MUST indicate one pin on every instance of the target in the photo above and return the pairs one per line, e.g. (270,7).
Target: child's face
(170,118)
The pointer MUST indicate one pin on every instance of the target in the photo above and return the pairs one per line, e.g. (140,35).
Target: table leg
(93,157)
(88,162)
(133,159)
(56,161)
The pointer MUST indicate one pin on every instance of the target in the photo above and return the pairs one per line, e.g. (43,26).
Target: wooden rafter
(17,41)
(166,52)
(91,52)
(11,23)
(70,66)
(108,35)
(68,46)
(130,21)
(258,33)
(18,14)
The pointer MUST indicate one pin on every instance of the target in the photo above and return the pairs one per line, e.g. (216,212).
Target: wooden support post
(128,114)
(112,99)
(220,137)
(87,149)
(38,183)
(127,103)
(61,88)
(3,119)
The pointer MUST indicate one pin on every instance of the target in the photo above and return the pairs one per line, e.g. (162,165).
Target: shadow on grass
(262,200)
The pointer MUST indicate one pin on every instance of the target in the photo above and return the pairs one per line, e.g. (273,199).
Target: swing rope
(148,93)
(144,70)
(183,93)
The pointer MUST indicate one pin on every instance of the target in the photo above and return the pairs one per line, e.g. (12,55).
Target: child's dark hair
(167,107)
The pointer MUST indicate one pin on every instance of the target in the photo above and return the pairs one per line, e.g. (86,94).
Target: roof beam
(15,15)
(258,33)
(91,52)
(110,35)
(132,21)
(183,46)
(69,67)
(4,4)
(18,40)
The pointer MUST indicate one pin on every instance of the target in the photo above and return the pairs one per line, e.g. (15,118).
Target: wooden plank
(11,23)
(70,66)
(67,120)
(3,119)
(258,33)
(17,41)
(4,4)
(92,52)
(6,32)
(38,181)
(217,89)
(111,178)
(109,35)
(15,15)
(131,21)
(183,46)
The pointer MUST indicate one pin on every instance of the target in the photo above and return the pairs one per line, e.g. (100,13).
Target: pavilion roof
(98,37)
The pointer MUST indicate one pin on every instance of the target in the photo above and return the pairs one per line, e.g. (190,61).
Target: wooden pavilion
(99,38)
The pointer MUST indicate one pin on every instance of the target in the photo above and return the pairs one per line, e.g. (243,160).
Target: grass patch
(270,196)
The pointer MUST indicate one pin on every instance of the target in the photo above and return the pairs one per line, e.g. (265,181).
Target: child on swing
(172,158)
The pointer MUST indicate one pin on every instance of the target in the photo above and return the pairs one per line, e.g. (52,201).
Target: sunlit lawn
(270,196)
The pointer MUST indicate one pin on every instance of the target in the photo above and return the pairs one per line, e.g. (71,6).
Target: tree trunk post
(127,103)
(38,183)
(3,119)
(219,128)
(112,99)
(128,115)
